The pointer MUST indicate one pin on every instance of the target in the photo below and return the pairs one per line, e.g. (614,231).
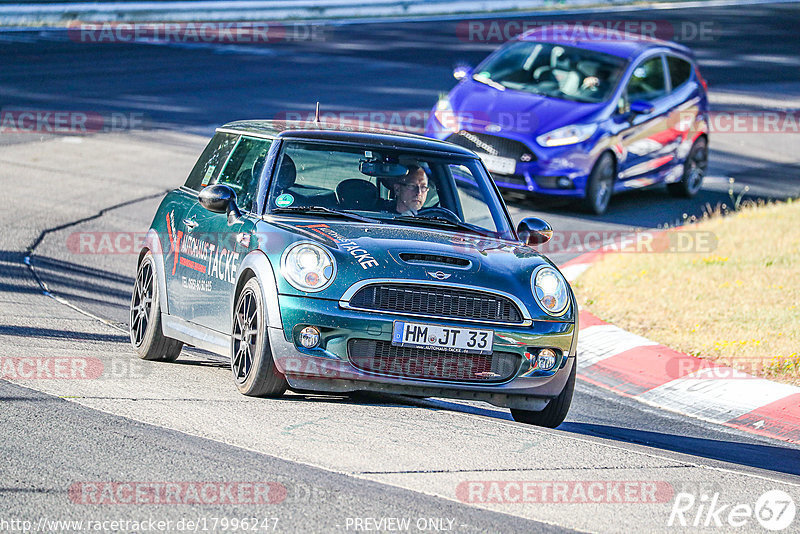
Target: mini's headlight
(308,267)
(551,291)
(567,135)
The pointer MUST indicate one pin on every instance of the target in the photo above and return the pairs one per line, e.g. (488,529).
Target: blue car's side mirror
(640,107)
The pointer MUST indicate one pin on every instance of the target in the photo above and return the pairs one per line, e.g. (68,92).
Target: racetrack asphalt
(185,421)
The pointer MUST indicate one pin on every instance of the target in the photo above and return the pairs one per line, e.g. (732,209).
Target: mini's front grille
(411,362)
(436,301)
(416,257)
(493,145)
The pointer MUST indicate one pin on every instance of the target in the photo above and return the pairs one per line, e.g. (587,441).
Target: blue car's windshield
(392,185)
(553,70)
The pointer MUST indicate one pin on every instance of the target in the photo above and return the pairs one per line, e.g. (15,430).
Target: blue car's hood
(523,113)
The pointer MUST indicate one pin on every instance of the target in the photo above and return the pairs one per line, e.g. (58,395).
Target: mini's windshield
(553,70)
(389,185)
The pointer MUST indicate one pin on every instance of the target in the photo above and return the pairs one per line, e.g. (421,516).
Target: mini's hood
(366,251)
(526,114)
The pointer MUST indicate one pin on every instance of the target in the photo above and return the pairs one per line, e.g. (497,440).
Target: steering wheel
(439,211)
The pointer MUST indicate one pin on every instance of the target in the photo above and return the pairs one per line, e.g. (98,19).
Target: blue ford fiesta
(582,115)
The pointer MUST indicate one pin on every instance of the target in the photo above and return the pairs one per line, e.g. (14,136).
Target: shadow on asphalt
(783,460)
(761,456)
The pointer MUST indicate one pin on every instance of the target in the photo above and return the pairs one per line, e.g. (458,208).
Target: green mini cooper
(335,259)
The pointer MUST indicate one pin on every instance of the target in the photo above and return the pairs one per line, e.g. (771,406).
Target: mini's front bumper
(328,367)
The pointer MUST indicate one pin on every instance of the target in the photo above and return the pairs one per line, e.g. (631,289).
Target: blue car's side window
(647,82)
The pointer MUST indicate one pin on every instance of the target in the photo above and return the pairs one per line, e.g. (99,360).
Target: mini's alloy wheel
(253,367)
(145,317)
(600,185)
(694,170)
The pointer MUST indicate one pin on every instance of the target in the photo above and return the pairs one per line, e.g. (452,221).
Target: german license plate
(498,164)
(444,338)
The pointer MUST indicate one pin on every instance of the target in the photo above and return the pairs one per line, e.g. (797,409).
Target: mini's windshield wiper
(442,222)
(321,210)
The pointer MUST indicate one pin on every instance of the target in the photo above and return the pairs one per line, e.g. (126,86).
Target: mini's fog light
(309,337)
(547,359)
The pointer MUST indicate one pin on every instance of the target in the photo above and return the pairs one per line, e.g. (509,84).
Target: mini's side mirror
(534,231)
(461,72)
(640,107)
(219,198)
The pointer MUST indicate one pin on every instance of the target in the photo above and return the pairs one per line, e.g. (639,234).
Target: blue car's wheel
(694,169)
(145,317)
(254,370)
(556,410)
(600,185)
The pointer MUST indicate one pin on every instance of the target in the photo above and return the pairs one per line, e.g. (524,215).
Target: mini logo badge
(439,275)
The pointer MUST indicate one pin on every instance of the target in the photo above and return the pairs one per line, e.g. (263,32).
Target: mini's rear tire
(145,330)
(556,410)
(254,371)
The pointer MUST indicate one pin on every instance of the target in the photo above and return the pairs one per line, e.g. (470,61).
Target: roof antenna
(316,115)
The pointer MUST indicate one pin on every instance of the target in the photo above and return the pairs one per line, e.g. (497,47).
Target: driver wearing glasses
(411,191)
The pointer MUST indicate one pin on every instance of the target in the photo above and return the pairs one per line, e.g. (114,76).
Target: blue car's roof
(603,40)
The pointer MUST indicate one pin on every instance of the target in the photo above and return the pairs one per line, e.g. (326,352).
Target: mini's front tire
(145,317)
(254,370)
(556,410)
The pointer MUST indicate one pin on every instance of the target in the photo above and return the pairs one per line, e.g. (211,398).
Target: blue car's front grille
(435,301)
(411,362)
(493,144)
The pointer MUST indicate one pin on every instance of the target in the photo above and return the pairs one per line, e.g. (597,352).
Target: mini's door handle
(191,224)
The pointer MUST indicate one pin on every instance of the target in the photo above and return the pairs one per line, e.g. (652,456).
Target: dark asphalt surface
(396,66)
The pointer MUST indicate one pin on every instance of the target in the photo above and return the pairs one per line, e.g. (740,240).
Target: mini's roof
(614,42)
(324,131)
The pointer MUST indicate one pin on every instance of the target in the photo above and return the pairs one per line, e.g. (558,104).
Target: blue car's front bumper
(559,171)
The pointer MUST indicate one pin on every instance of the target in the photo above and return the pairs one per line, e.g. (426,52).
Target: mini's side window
(209,164)
(680,70)
(647,81)
(243,169)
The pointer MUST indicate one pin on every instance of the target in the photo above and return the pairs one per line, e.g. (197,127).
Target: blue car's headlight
(550,290)
(445,115)
(567,135)
(308,267)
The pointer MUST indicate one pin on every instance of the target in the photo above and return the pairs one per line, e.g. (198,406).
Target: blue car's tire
(600,185)
(694,169)
(145,317)
(254,370)
(556,410)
